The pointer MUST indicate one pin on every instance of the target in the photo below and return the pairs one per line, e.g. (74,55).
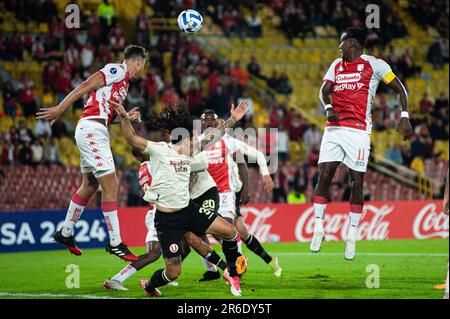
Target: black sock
(231,252)
(254,245)
(215,259)
(158,279)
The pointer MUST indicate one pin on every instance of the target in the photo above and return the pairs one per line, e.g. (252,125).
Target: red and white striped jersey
(355,86)
(221,165)
(116,78)
(145,178)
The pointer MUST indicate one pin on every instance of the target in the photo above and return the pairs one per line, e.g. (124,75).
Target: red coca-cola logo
(256,221)
(430,223)
(372,226)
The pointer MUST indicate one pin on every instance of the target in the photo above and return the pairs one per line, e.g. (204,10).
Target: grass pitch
(407,268)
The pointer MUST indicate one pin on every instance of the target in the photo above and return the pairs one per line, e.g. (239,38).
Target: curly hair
(173,117)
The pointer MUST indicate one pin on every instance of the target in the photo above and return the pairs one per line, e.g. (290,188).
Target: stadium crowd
(201,79)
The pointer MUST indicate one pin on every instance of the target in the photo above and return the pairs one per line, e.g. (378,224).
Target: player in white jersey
(351,82)
(176,214)
(92,138)
(230,178)
(152,243)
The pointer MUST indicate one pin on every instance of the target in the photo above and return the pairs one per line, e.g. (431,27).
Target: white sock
(354,219)
(112,223)
(239,244)
(125,273)
(209,266)
(319,210)
(76,208)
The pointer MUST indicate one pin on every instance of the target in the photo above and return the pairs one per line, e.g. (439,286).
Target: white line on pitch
(365,254)
(13,294)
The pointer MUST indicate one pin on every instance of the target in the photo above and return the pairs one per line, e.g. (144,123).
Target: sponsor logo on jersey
(348,78)
(347,86)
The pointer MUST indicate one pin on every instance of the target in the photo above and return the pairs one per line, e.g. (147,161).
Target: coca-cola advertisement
(295,223)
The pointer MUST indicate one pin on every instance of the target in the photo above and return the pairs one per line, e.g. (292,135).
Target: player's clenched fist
(404,127)
(332,115)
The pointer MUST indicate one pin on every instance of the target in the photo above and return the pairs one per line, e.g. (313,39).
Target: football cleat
(235,286)
(173,283)
(350,243)
(155,293)
(276,267)
(318,237)
(227,277)
(440,287)
(113,284)
(210,275)
(122,252)
(241,264)
(69,242)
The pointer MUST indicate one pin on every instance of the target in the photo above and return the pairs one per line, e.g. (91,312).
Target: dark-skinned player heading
(351,82)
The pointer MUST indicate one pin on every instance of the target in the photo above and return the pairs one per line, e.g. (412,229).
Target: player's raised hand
(404,127)
(51,114)
(118,108)
(237,113)
(268,183)
(332,115)
(134,115)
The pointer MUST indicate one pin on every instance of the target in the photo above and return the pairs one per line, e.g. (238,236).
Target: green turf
(411,273)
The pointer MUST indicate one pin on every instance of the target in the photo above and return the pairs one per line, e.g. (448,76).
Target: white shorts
(95,152)
(150,223)
(227,207)
(347,146)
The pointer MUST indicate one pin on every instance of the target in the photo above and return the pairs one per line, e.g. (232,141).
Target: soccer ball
(190,21)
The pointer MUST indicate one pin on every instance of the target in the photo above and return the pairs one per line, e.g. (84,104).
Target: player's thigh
(357,150)
(170,230)
(330,148)
(200,219)
(222,228)
(197,244)
(90,182)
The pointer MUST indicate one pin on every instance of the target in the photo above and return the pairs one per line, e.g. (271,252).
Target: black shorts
(238,203)
(171,227)
(209,201)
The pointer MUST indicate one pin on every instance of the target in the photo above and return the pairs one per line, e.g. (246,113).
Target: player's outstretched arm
(237,113)
(404,126)
(53,113)
(127,129)
(324,95)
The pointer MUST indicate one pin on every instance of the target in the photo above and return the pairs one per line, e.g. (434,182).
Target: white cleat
(350,243)
(236,287)
(318,237)
(113,284)
(274,264)
(173,283)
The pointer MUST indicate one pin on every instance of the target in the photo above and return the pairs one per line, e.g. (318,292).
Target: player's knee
(191,239)
(90,187)
(230,232)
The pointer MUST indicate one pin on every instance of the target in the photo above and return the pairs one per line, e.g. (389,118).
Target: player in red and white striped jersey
(352,82)
(92,138)
(223,169)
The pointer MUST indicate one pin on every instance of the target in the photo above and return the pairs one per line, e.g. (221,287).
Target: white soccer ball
(190,21)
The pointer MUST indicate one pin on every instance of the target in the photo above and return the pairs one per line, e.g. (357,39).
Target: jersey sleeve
(154,149)
(199,162)
(233,144)
(330,76)
(112,73)
(383,71)
(253,153)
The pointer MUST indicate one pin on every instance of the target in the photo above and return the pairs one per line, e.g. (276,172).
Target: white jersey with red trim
(116,78)
(355,86)
(222,167)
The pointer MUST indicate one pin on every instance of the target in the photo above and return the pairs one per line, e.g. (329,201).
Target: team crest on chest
(360,67)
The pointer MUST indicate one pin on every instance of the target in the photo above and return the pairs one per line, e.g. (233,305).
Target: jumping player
(224,171)
(352,82)
(152,243)
(92,138)
(176,214)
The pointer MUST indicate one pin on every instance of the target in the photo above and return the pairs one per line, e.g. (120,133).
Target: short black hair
(359,34)
(135,51)
(173,117)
